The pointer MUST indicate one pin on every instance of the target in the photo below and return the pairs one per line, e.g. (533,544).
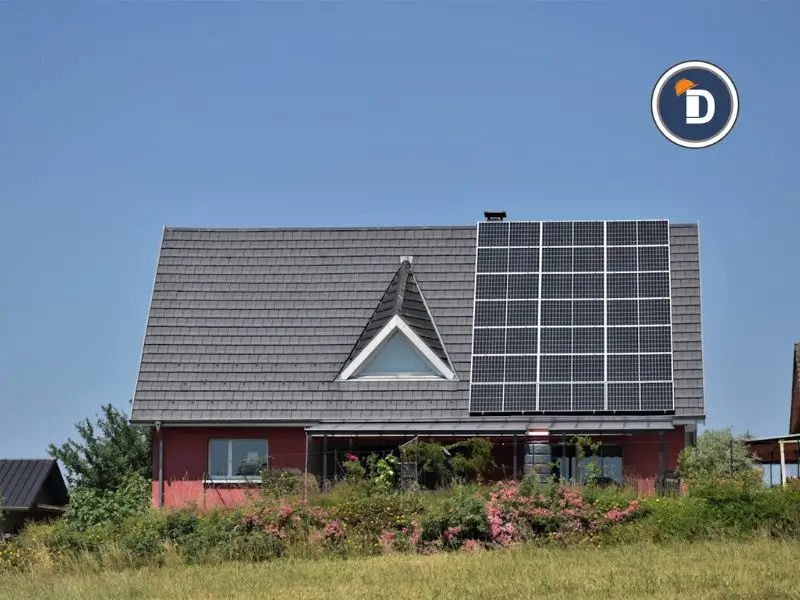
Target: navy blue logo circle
(695,104)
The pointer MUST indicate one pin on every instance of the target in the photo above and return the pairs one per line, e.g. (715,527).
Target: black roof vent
(495,215)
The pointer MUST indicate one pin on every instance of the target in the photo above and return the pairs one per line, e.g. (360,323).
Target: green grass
(725,570)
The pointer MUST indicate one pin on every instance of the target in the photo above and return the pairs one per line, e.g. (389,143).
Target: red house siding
(186,462)
(641,456)
(186,459)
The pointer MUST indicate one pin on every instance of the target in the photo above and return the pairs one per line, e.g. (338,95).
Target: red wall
(640,456)
(186,462)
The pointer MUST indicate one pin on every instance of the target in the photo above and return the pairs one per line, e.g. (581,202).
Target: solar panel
(572,316)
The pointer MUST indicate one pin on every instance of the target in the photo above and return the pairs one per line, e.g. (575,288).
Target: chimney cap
(494,215)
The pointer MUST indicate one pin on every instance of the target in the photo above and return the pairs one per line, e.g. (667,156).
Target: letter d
(693,107)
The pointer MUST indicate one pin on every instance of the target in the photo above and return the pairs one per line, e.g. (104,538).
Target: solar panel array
(572,317)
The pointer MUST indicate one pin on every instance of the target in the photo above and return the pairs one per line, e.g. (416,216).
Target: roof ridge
(404,272)
(342,228)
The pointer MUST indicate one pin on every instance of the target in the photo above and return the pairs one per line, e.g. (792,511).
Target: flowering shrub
(404,539)
(514,516)
(358,520)
(283,520)
(471,546)
(462,516)
(353,468)
(375,513)
(13,556)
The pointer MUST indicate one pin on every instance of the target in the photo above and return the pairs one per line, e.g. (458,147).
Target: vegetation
(720,570)
(108,452)
(717,454)
(366,514)
(438,466)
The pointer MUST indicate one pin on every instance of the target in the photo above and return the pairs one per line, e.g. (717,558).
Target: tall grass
(759,569)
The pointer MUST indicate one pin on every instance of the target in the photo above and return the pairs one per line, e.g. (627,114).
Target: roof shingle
(255,325)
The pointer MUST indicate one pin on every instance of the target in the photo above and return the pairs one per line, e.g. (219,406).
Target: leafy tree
(109,451)
(718,455)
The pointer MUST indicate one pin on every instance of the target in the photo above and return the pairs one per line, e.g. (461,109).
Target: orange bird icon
(683,85)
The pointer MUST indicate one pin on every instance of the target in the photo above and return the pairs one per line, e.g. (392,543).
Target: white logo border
(695,64)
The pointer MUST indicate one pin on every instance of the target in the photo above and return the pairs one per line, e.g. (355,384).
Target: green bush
(718,455)
(142,538)
(178,524)
(372,514)
(210,539)
(461,516)
(285,483)
(433,468)
(382,471)
(471,459)
(88,507)
(532,485)
(606,498)
(730,513)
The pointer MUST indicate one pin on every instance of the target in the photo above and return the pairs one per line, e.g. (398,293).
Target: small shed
(30,490)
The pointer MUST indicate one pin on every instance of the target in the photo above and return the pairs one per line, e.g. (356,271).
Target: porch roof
(497,426)
(767,450)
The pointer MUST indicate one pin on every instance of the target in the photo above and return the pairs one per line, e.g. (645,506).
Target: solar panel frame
(538,289)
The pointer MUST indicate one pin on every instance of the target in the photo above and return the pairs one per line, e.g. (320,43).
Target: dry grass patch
(756,570)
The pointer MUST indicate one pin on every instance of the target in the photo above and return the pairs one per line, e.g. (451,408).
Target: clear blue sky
(118,118)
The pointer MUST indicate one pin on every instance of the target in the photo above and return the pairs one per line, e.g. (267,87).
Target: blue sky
(119,118)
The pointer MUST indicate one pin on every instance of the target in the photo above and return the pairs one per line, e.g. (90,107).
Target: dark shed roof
(21,481)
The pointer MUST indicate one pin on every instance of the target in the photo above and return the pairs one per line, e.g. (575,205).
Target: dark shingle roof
(22,479)
(256,324)
(403,298)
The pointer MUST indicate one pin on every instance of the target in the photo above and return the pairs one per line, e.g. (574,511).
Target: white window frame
(211,478)
(396,325)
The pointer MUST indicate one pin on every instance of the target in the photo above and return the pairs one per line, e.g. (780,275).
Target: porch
(643,460)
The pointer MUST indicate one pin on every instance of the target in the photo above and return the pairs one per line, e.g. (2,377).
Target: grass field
(757,570)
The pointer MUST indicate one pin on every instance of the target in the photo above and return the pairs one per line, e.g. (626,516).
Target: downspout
(305,474)
(160,465)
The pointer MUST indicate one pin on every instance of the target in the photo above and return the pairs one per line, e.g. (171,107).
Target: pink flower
(471,546)
(386,540)
(333,531)
(451,533)
(274,529)
(351,457)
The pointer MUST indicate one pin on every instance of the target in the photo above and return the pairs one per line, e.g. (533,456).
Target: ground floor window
(236,459)
(607,463)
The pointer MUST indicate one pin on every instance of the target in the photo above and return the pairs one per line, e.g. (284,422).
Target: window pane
(397,357)
(249,456)
(218,458)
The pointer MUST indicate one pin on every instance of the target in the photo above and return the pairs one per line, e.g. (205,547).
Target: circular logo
(695,104)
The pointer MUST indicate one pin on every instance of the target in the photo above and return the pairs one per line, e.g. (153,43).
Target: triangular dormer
(400,340)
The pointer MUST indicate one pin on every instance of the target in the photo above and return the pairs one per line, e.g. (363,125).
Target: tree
(109,451)
(717,454)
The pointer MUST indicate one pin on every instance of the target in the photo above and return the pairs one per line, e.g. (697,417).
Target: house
(30,490)
(290,347)
(783,450)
